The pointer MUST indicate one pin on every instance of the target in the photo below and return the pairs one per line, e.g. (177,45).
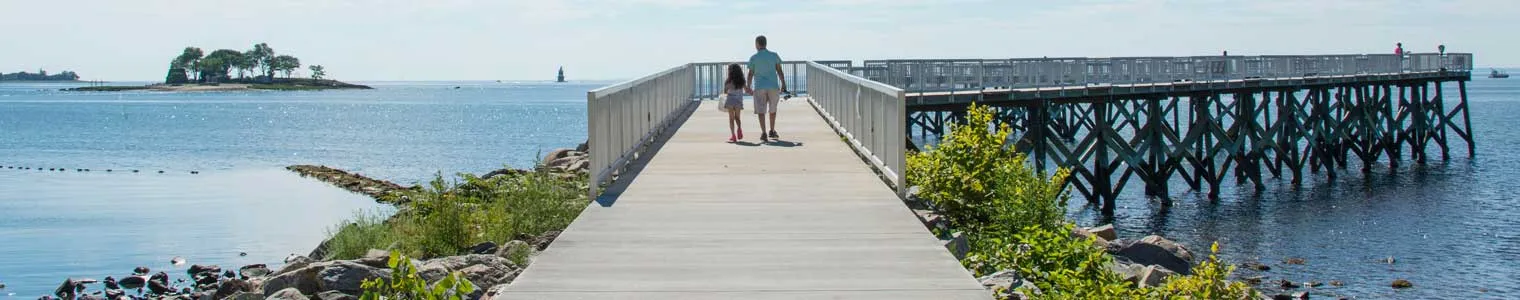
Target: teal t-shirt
(764,63)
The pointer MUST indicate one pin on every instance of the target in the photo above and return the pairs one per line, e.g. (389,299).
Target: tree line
(40,75)
(193,65)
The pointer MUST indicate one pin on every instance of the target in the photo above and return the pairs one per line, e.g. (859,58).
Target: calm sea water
(94,224)
(1451,226)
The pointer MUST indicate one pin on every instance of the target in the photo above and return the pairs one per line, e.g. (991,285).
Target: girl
(734,101)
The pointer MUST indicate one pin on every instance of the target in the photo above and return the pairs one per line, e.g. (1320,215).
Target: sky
(384,40)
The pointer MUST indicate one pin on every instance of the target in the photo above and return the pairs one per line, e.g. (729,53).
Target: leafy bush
(1067,267)
(977,182)
(447,217)
(1207,282)
(406,284)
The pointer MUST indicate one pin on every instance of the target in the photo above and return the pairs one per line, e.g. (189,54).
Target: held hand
(748,90)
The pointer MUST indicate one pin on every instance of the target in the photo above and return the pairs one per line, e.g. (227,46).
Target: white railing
(710,76)
(919,75)
(870,115)
(624,118)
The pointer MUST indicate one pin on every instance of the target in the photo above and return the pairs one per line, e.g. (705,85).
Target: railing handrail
(871,116)
(624,118)
(617,87)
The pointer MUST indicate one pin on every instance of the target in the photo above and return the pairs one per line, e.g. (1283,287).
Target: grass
(447,217)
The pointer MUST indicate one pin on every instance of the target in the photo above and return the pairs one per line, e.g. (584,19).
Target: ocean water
(59,224)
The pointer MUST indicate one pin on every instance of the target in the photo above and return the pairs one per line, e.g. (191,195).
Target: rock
(1144,253)
(457,263)
(254,270)
(335,295)
(207,278)
(1294,261)
(957,245)
(245,296)
(320,252)
(560,162)
(514,246)
(140,271)
(1285,284)
(1301,295)
(1153,276)
(1002,284)
(486,247)
(89,297)
(115,294)
(110,284)
(1106,232)
(159,287)
(1253,280)
(1282,297)
(432,273)
(489,275)
(1402,283)
(1079,232)
(287,294)
(294,262)
(1169,245)
(1129,271)
(177,260)
(133,282)
(1255,266)
(580,165)
(198,269)
(501,172)
(231,287)
(495,290)
(1312,283)
(557,154)
(68,289)
(348,276)
(375,258)
(1337,283)
(542,242)
(304,279)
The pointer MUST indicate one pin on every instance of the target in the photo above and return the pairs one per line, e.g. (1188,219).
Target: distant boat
(1497,74)
(561,77)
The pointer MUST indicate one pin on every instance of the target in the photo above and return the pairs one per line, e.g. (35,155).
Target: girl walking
(733,102)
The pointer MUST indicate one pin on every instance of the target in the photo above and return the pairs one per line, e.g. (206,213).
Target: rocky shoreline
(381,190)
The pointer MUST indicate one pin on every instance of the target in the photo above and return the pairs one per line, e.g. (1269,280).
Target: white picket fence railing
(624,118)
(870,115)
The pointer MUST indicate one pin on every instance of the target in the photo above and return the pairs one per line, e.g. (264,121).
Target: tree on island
(285,63)
(192,66)
(41,75)
(317,72)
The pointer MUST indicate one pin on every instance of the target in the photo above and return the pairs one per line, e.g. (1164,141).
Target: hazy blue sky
(528,40)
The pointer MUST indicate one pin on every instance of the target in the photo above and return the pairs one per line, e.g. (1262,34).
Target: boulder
(489,275)
(1106,232)
(115,294)
(1151,254)
(557,154)
(1129,271)
(1286,284)
(1153,276)
(335,295)
(432,273)
(287,294)
(562,162)
(254,270)
(584,147)
(320,252)
(294,262)
(198,269)
(348,276)
(1000,282)
(957,245)
(141,271)
(486,247)
(1176,249)
(492,292)
(542,241)
(514,246)
(159,287)
(1402,283)
(580,165)
(375,258)
(109,282)
(89,297)
(303,279)
(1256,266)
(231,287)
(457,263)
(245,296)
(133,282)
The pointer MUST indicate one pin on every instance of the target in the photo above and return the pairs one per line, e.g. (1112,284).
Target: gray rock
(1106,232)
(560,162)
(287,294)
(1255,266)
(375,258)
(335,295)
(320,252)
(1002,282)
(957,245)
(557,154)
(432,273)
(231,287)
(580,165)
(1129,271)
(492,292)
(1153,276)
(133,282)
(294,262)
(303,279)
(348,276)
(198,269)
(486,247)
(245,296)
(1150,254)
(583,147)
(542,241)
(456,263)
(1176,249)
(512,247)
(254,270)
(484,275)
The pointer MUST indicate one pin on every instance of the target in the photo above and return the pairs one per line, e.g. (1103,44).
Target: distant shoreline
(305,85)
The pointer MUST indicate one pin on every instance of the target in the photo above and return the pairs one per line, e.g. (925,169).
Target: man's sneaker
(773,134)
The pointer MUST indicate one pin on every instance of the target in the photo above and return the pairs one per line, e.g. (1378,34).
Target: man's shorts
(766,100)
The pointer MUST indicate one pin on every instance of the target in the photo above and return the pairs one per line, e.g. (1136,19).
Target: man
(766,82)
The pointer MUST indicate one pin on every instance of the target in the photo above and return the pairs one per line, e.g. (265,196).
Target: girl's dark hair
(735,76)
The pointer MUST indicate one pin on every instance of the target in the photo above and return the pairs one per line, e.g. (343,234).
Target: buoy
(86,170)
(242,253)
(108,170)
(134,171)
(160,171)
(195,172)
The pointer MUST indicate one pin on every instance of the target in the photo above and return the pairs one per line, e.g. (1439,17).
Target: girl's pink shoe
(731,139)
(741,134)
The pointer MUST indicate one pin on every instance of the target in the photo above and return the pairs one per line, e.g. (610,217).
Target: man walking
(766,83)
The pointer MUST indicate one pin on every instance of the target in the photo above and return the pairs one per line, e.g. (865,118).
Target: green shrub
(352,239)
(446,217)
(1206,282)
(977,182)
(1066,267)
(406,284)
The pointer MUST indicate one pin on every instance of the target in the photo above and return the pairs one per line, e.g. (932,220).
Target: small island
(41,75)
(193,70)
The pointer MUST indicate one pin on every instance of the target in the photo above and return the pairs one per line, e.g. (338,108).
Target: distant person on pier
(1398,49)
(766,83)
(733,102)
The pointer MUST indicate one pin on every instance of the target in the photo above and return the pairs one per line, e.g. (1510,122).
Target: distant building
(561,77)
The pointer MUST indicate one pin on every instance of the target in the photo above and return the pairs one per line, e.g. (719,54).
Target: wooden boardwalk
(802,218)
